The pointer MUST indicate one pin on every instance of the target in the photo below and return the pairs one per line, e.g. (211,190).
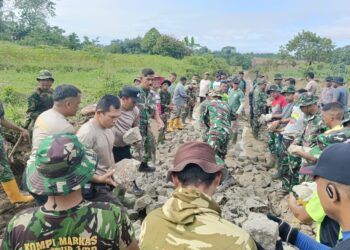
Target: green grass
(95,72)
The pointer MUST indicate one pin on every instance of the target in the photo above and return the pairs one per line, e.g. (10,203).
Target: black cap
(329,78)
(338,79)
(333,164)
(131,92)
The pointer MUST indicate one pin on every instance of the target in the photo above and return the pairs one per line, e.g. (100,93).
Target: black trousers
(121,153)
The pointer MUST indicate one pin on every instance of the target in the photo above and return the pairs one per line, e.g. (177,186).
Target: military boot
(145,168)
(171,124)
(178,124)
(271,160)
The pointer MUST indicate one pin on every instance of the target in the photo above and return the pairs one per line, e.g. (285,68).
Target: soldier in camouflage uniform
(260,98)
(165,103)
(314,126)
(62,166)
(7,179)
(191,219)
(148,110)
(236,101)
(190,102)
(41,99)
(217,117)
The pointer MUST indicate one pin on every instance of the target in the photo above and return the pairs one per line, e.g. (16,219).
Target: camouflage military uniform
(38,102)
(204,119)
(147,108)
(191,220)
(218,116)
(5,169)
(190,103)
(165,100)
(260,98)
(90,225)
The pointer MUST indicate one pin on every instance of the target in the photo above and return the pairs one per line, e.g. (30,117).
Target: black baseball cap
(166,82)
(132,92)
(332,165)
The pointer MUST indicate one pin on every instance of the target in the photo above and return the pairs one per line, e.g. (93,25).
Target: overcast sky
(249,25)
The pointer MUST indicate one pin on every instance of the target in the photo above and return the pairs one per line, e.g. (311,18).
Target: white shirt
(204,87)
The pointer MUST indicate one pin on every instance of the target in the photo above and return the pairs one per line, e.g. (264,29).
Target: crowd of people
(80,205)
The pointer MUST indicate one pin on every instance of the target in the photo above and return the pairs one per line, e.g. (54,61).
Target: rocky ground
(244,203)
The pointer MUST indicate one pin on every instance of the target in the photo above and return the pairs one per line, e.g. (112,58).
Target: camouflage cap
(62,165)
(329,78)
(278,76)
(288,89)
(306,99)
(44,75)
(215,93)
(273,88)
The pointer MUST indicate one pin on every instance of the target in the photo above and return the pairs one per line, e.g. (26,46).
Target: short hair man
(66,100)
(178,100)
(278,79)
(333,186)
(312,86)
(290,81)
(41,99)
(340,92)
(242,82)
(327,92)
(172,79)
(148,110)
(62,166)
(130,118)
(196,176)
(204,87)
(97,134)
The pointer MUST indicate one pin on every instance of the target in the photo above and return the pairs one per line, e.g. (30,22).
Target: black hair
(300,91)
(174,74)
(147,72)
(193,174)
(167,82)
(336,108)
(64,91)
(183,78)
(105,103)
(291,81)
(310,75)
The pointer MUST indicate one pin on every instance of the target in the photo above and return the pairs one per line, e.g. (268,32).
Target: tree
(74,41)
(169,46)
(310,47)
(150,40)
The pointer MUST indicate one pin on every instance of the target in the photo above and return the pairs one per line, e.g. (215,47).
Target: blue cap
(333,164)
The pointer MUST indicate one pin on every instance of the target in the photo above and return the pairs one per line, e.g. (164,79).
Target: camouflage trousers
(5,169)
(272,142)
(148,145)
(161,136)
(256,127)
(218,140)
(176,112)
(290,165)
(187,112)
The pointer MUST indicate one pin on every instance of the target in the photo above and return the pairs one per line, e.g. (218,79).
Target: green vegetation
(94,71)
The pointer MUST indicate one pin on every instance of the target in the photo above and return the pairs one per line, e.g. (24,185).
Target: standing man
(312,86)
(172,79)
(260,98)
(7,179)
(204,87)
(98,135)
(340,92)
(327,92)
(148,110)
(236,101)
(165,103)
(253,85)
(66,221)
(216,84)
(179,100)
(242,82)
(278,79)
(41,99)
(190,102)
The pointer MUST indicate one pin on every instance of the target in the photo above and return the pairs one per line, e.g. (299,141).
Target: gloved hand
(268,117)
(286,232)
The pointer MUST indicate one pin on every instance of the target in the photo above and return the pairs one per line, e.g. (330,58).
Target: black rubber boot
(145,168)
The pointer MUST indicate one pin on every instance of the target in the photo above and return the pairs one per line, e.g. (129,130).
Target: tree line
(26,22)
